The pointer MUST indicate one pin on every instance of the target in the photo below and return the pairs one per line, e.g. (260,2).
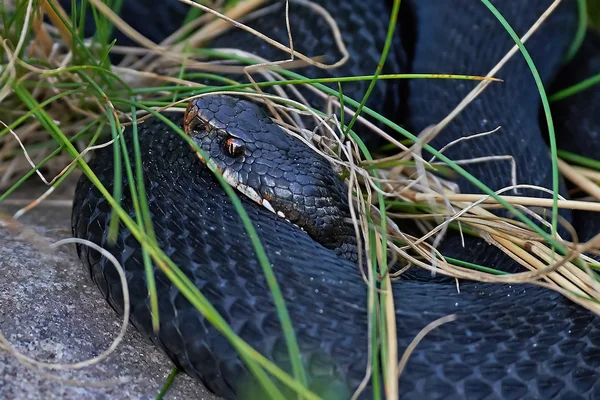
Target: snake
(507,341)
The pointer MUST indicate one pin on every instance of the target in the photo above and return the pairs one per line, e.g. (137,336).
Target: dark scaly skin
(517,341)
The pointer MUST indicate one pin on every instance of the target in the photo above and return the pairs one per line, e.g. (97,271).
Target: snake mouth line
(246,190)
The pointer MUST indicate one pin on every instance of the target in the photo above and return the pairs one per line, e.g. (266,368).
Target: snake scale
(508,341)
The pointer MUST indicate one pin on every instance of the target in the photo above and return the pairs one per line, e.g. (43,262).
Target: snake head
(267,165)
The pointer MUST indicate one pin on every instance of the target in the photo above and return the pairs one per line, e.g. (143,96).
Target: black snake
(519,341)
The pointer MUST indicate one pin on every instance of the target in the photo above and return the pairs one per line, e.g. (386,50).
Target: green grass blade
(375,328)
(581,160)
(381,200)
(384,54)
(117,182)
(476,267)
(168,384)
(145,222)
(581,30)
(547,112)
(579,87)
(233,85)
(141,213)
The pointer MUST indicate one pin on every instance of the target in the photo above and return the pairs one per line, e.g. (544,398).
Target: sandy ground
(51,311)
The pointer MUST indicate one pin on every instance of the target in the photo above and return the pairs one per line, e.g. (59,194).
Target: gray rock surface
(51,311)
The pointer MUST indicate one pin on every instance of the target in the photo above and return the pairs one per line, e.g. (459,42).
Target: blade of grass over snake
(192,90)
(385,323)
(113,225)
(254,360)
(377,354)
(146,219)
(115,127)
(577,159)
(476,267)
(386,48)
(546,105)
(372,292)
(142,214)
(379,330)
(371,302)
(581,30)
(579,87)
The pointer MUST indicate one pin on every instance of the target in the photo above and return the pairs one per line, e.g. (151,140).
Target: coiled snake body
(519,341)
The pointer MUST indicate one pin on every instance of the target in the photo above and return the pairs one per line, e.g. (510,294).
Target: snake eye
(234,147)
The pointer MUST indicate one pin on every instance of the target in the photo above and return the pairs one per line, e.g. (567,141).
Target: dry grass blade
(525,201)
(411,347)
(579,178)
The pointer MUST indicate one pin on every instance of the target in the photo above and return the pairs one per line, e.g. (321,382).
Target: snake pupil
(234,147)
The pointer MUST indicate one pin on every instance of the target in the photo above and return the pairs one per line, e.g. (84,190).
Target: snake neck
(342,239)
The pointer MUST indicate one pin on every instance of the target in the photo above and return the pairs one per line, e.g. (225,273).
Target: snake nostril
(194,126)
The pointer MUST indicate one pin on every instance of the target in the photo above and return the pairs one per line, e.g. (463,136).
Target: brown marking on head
(191,112)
